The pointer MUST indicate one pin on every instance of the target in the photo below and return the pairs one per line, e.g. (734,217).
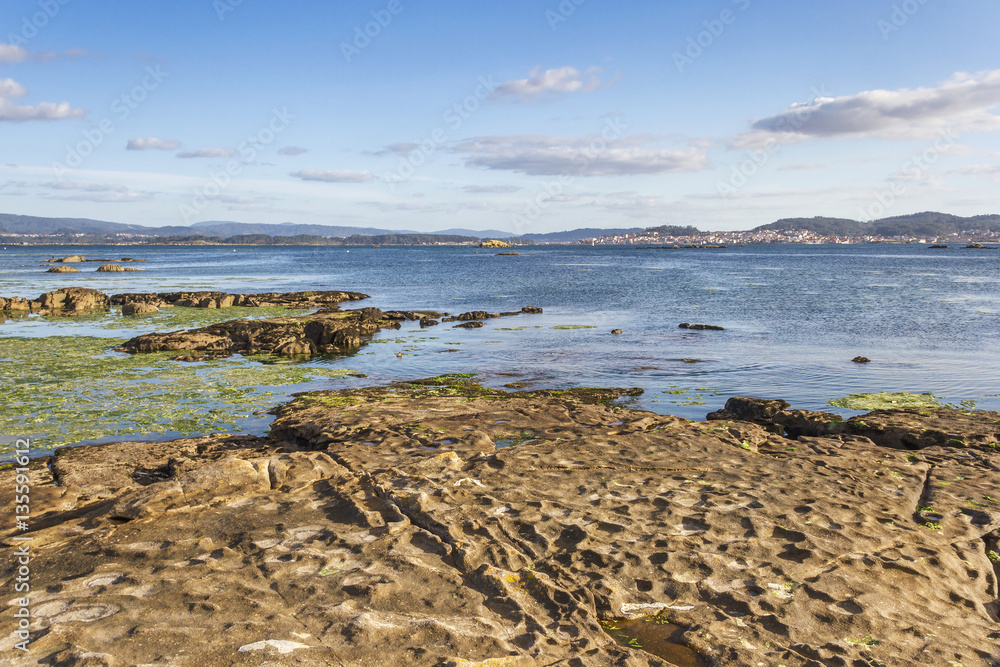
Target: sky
(527,116)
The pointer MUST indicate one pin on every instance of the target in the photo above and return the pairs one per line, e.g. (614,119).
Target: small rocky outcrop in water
(62,269)
(110,268)
(700,327)
(227,300)
(441,523)
(327,332)
(494,243)
(861,360)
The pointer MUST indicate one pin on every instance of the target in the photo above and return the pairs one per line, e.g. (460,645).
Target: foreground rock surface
(440,523)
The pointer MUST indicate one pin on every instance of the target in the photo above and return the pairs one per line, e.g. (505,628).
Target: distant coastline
(926,228)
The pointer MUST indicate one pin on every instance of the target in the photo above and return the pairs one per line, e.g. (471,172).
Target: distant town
(786,236)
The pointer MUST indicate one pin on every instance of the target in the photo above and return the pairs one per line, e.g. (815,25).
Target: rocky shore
(442,523)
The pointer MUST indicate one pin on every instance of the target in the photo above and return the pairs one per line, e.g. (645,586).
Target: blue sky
(525,116)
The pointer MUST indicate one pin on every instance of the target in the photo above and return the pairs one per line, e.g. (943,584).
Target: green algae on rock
(63,390)
(886,401)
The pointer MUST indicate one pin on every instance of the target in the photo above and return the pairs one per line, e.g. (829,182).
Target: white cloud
(984,170)
(334,176)
(552,82)
(402,148)
(87,187)
(963,103)
(152,143)
(208,153)
(12,54)
(292,150)
(540,155)
(96,192)
(491,189)
(10,112)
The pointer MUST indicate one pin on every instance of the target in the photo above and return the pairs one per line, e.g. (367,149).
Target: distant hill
(575,235)
(918,224)
(219,228)
(96,231)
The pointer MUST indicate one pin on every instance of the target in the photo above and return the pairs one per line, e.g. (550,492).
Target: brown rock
(382,526)
(78,299)
(63,269)
(110,268)
(139,309)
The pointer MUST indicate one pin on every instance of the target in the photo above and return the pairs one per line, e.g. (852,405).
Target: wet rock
(79,299)
(326,331)
(110,268)
(756,410)
(428,322)
(861,360)
(617,332)
(62,269)
(327,299)
(139,309)
(532,310)
(470,325)
(70,259)
(937,247)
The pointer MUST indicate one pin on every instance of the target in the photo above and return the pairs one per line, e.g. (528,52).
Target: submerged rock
(390,525)
(700,327)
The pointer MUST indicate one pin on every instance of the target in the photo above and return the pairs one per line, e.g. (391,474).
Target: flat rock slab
(441,523)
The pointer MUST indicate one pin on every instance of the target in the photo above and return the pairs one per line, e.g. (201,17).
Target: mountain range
(917,224)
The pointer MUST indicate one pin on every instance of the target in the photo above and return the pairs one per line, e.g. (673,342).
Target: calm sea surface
(795,316)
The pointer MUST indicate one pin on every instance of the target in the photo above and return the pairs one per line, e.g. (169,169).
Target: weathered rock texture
(226,300)
(325,331)
(184,299)
(439,523)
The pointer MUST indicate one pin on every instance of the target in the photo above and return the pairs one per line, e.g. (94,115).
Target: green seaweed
(887,401)
(62,390)
(574,326)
